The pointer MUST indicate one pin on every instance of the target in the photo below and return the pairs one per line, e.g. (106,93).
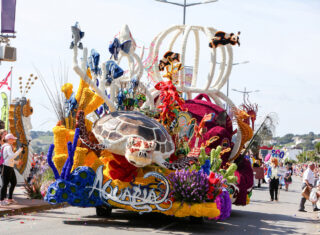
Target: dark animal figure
(168,57)
(222,38)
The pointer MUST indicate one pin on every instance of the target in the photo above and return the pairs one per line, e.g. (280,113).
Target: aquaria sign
(139,197)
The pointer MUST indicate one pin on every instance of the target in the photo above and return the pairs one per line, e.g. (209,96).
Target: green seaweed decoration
(215,164)
(229,174)
(215,159)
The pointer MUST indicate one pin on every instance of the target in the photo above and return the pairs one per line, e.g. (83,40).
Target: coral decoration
(95,103)
(85,98)
(170,101)
(60,140)
(83,85)
(79,157)
(59,160)
(67,89)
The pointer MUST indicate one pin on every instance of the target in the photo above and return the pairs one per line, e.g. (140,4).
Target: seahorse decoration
(251,109)
(245,129)
(20,125)
(20,112)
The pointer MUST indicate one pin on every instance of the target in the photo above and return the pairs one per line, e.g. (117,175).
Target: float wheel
(103,211)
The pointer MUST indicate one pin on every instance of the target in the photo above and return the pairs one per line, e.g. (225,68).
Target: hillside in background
(41,141)
(306,141)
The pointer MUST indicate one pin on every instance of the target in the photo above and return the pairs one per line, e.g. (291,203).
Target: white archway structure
(217,75)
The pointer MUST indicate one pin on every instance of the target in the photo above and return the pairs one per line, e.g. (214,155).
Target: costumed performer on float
(272,178)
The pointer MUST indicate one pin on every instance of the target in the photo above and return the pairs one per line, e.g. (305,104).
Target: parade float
(139,145)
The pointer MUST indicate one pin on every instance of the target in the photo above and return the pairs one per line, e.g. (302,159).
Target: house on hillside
(315,141)
(292,153)
(297,140)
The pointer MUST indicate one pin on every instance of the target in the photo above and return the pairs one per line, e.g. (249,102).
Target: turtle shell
(122,124)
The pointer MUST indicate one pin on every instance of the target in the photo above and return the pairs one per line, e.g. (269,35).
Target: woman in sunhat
(8,174)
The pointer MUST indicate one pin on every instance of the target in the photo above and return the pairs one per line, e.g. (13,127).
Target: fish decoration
(93,62)
(113,71)
(221,38)
(168,57)
(77,35)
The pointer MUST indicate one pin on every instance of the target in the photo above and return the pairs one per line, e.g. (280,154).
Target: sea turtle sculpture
(142,140)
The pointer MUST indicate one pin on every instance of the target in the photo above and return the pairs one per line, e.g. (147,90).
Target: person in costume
(273,179)
(8,174)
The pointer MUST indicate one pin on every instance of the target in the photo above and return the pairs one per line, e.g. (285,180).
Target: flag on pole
(4,81)
(5,87)
(8,16)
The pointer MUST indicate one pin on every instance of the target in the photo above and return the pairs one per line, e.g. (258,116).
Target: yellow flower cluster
(67,89)
(95,103)
(86,97)
(59,160)
(208,209)
(82,85)
(178,209)
(79,157)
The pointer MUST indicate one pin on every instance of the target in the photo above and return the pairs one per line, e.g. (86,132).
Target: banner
(4,109)
(189,73)
(8,15)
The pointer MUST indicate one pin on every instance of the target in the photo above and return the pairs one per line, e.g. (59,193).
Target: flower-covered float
(138,145)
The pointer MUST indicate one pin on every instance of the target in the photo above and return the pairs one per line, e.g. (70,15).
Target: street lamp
(185,5)
(245,93)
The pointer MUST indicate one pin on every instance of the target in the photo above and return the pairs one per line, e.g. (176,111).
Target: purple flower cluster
(223,202)
(189,186)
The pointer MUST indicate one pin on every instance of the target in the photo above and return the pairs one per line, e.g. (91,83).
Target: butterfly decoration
(115,47)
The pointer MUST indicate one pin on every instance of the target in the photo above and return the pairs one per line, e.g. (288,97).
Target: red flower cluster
(122,170)
(215,186)
(170,100)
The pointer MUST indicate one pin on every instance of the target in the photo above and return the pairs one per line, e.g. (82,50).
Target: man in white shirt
(308,180)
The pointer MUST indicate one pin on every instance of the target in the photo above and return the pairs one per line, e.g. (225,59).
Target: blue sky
(280,38)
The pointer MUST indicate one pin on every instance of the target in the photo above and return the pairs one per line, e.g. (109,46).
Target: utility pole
(245,93)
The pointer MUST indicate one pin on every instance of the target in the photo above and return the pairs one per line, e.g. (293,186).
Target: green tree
(317,147)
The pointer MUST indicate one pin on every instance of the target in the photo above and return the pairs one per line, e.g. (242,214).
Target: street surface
(260,217)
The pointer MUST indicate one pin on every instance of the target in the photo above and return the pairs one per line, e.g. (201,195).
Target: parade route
(260,217)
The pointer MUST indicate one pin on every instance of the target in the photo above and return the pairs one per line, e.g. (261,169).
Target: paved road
(260,217)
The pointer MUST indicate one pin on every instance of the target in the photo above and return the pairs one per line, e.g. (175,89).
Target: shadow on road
(239,223)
